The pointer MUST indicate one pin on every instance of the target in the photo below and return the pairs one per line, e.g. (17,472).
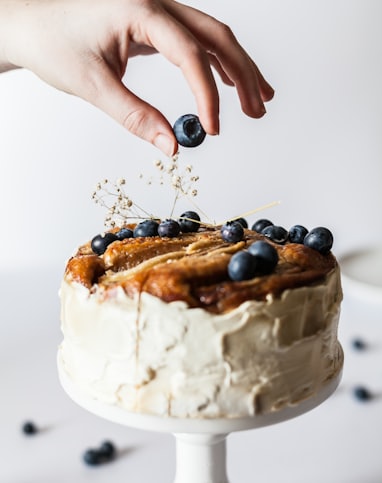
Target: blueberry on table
(188,131)
(100,242)
(320,239)
(362,393)
(242,266)
(169,228)
(124,233)
(278,234)
(358,344)
(146,228)
(105,453)
(297,233)
(259,225)
(266,256)
(232,232)
(108,450)
(92,457)
(29,428)
(187,225)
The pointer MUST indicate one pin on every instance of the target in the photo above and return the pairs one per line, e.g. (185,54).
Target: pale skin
(82,47)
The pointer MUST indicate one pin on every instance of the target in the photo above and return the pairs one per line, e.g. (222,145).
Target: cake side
(165,358)
(158,325)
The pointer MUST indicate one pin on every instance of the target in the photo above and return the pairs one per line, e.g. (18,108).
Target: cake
(156,325)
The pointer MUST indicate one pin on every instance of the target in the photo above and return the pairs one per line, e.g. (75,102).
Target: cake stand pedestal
(200,443)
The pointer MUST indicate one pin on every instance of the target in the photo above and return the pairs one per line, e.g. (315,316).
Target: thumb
(136,115)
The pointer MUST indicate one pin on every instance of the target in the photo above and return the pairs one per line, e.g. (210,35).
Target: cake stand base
(208,451)
(200,443)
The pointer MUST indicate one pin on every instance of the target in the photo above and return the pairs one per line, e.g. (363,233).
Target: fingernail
(165,144)
(262,110)
(216,131)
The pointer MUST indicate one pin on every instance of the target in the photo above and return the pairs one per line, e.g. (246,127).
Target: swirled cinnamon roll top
(193,268)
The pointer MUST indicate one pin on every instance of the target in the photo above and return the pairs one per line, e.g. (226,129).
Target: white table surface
(338,442)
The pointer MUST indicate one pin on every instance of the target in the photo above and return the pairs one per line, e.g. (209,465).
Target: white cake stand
(200,443)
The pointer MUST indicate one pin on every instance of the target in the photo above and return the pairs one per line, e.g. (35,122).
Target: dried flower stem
(121,208)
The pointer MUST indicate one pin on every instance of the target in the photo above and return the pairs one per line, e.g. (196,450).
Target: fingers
(219,69)
(137,116)
(266,90)
(230,58)
(182,49)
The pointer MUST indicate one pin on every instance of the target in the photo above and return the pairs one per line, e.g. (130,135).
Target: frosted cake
(196,324)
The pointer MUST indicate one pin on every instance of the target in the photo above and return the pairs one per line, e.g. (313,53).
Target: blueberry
(188,131)
(278,234)
(243,222)
(232,232)
(259,225)
(358,344)
(29,428)
(108,450)
(124,233)
(361,393)
(93,457)
(169,228)
(105,453)
(146,228)
(320,239)
(266,256)
(100,242)
(297,234)
(242,266)
(186,223)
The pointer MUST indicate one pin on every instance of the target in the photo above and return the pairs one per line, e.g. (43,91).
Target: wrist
(6,30)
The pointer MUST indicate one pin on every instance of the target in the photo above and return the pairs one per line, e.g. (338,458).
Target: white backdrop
(318,149)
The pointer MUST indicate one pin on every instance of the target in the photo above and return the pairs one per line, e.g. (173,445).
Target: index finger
(181,48)
(218,39)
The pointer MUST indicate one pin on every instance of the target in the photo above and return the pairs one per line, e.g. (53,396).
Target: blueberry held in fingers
(188,131)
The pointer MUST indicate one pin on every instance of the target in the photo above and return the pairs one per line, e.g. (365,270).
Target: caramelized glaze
(193,268)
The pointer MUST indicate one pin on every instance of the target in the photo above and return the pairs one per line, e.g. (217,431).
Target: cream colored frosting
(167,359)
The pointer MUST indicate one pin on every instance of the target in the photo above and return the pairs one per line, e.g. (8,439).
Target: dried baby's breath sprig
(182,181)
(120,207)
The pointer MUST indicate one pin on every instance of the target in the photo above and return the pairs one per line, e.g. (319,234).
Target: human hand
(83,46)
